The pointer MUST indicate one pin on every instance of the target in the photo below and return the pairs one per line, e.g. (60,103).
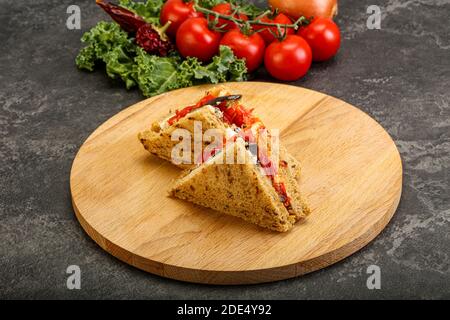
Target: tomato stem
(300,21)
(162,30)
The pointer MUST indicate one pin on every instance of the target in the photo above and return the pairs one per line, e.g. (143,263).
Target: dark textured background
(400,75)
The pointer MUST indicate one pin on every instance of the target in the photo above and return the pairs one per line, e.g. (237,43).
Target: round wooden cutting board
(352,178)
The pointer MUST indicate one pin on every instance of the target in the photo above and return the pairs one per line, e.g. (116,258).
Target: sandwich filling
(265,161)
(231,113)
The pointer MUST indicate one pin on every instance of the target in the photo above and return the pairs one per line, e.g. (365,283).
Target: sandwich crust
(300,209)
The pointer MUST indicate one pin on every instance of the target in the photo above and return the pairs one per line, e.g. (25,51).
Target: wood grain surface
(352,177)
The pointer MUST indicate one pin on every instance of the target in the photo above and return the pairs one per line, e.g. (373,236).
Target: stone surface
(400,75)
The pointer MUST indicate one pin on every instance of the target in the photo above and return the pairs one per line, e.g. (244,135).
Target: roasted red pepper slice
(185,111)
(268,166)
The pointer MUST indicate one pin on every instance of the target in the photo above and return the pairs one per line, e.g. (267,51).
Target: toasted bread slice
(158,141)
(242,190)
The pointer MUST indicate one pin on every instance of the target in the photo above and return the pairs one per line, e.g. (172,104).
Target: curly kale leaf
(108,43)
(224,66)
(249,8)
(149,10)
(86,58)
(156,75)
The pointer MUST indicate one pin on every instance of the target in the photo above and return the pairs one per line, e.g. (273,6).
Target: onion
(307,8)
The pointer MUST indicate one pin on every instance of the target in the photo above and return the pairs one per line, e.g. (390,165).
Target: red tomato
(177,11)
(248,47)
(324,38)
(266,34)
(195,39)
(288,60)
(227,9)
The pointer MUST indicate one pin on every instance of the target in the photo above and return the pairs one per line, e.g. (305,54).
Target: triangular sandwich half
(225,115)
(158,140)
(244,188)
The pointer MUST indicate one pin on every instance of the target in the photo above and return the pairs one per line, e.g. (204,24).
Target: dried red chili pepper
(151,39)
(154,40)
(129,21)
